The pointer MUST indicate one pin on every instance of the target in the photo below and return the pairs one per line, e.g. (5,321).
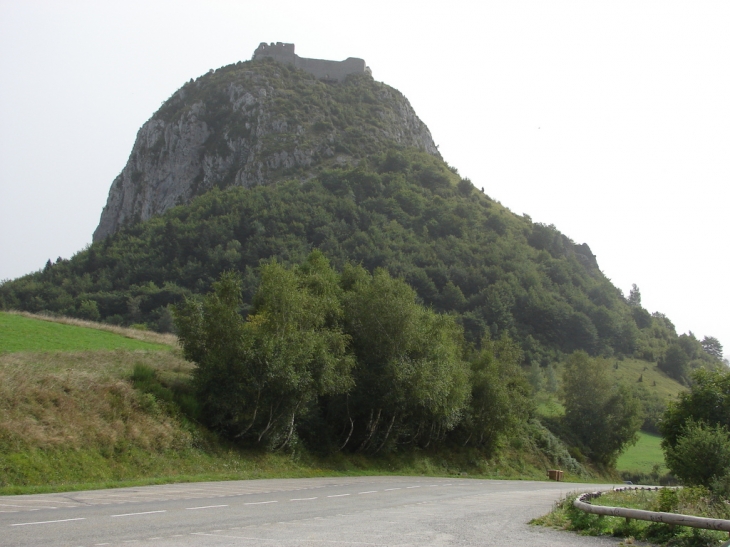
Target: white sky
(610,120)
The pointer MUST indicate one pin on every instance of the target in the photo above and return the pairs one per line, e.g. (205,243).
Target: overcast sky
(610,120)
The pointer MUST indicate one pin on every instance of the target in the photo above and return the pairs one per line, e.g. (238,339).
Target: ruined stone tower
(319,68)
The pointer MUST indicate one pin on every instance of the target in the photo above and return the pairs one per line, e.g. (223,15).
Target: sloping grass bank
(75,420)
(645,456)
(27,332)
(696,501)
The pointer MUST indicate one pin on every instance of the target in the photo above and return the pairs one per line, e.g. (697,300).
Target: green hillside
(18,333)
(405,211)
(648,376)
(396,216)
(643,456)
(386,206)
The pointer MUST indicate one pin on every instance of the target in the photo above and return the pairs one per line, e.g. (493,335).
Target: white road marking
(259,502)
(412,486)
(298,539)
(337,495)
(389,489)
(205,507)
(143,513)
(368,492)
(302,499)
(45,522)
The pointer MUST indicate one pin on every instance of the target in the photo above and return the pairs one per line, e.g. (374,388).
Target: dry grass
(83,400)
(136,334)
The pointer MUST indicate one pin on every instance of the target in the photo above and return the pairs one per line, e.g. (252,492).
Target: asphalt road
(352,512)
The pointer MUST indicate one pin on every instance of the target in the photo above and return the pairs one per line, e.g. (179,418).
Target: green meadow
(21,333)
(642,457)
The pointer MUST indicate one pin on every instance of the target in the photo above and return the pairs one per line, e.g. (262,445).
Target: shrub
(701,454)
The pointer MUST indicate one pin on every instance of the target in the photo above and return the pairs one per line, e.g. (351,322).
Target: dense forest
(404,211)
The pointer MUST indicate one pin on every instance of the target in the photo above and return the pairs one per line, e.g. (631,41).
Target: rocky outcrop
(255,123)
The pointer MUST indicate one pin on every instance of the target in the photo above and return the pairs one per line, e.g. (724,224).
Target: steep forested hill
(281,164)
(405,211)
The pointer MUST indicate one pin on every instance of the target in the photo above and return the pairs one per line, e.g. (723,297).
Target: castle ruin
(334,71)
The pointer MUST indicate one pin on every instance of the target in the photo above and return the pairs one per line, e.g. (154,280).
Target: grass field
(653,379)
(643,455)
(26,333)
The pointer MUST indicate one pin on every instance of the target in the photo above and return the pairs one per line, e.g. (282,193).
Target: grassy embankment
(645,460)
(84,405)
(687,501)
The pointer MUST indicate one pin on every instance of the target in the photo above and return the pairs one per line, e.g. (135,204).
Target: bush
(701,454)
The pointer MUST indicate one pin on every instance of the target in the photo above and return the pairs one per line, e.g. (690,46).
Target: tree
(675,363)
(712,346)
(634,299)
(707,401)
(535,377)
(411,380)
(604,418)
(256,376)
(701,454)
(551,379)
(500,394)
(88,309)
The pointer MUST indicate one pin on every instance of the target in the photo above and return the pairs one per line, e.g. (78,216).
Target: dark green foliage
(144,378)
(602,417)
(352,362)
(500,395)
(707,401)
(675,362)
(712,346)
(695,428)
(257,376)
(176,396)
(402,211)
(412,383)
(700,455)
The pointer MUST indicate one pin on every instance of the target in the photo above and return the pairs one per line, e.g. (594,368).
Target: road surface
(350,511)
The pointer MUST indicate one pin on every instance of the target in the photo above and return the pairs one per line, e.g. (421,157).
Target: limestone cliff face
(255,123)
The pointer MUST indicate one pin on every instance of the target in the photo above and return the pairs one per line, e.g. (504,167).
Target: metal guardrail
(672,519)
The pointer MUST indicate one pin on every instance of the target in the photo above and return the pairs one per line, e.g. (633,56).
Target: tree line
(344,361)
(353,361)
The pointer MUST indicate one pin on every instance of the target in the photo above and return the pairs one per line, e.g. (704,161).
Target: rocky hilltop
(254,123)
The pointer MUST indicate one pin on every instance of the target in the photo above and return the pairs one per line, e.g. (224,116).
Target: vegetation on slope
(346,362)
(82,419)
(406,212)
(644,458)
(687,501)
(27,333)
(473,265)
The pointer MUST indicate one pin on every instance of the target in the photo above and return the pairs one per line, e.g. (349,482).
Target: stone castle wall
(319,68)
